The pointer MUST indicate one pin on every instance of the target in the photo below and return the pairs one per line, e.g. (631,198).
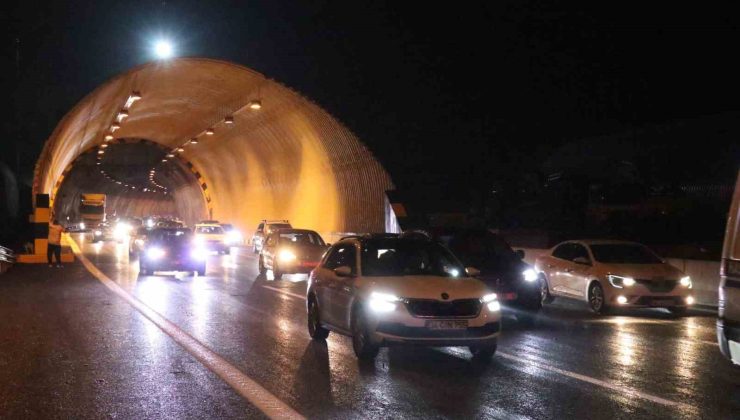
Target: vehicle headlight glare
(198,240)
(689,300)
(199,253)
(155,253)
(494,306)
(82,226)
(489,298)
(383,302)
(529,275)
(98,233)
(686,282)
(233,237)
(286,255)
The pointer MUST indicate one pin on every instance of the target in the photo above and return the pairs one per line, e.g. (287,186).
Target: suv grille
(439,309)
(658,286)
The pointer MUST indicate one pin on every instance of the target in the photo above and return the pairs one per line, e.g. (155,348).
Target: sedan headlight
(491,301)
(82,226)
(98,233)
(155,253)
(286,255)
(620,281)
(383,302)
(529,275)
(686,282)
(198,240)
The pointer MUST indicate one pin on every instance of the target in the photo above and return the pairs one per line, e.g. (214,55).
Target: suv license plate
(446,325)
(663,302)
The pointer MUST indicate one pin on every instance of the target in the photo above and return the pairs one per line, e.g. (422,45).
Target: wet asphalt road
(69,348)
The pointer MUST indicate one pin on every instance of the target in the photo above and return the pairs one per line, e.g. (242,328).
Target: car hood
(426,287)
(644,271)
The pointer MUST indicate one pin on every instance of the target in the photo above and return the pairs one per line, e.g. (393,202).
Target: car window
(275,226)
(210,230)
(300,238)
(408,257)
(343,255)
(624,254)
(563,252)
(580,251)
(260,226)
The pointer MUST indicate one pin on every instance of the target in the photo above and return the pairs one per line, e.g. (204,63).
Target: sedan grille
(659,286)
(464,308)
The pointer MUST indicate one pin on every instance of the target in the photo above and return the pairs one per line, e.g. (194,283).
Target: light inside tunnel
(164,49)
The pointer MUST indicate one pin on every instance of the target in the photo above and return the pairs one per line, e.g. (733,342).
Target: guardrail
(7,259)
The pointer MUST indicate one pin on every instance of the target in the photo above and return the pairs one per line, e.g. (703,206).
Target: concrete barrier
(704,274)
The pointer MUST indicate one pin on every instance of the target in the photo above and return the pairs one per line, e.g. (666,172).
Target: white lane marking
(619,388)
(261,398)
(285,292)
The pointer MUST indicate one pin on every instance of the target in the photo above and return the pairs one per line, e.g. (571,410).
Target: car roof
(293,230)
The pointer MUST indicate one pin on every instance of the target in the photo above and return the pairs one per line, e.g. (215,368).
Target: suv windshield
(275,226)
(408,257)
(624,254)
(300,238)
(209,230)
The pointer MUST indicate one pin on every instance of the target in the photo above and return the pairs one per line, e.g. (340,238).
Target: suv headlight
(383,302)
(529,275)
(155,253)
(491,301)
(686,282)
(620,281)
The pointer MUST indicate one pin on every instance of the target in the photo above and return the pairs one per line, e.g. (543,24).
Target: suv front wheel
(361,343)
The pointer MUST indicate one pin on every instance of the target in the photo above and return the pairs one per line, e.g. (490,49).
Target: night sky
(448,92)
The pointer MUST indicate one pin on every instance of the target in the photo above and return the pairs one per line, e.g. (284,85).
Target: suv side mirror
(520,253)
(343,271)
(472,271)
(582,261)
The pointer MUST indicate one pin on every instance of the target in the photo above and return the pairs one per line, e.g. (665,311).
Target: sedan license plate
(663,302)
(446,325)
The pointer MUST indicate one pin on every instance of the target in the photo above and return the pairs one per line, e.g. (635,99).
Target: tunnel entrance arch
(257,148)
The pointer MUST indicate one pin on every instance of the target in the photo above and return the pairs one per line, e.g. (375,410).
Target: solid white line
(619,388)
(266,402)
(285,292)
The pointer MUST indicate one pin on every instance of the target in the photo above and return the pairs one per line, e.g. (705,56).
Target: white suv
(388,289)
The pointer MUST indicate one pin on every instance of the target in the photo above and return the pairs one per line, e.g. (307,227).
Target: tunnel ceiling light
(98,163)
(255,104)
(108,137)
(122,115)
(229,120)
(170,155)
(135,96)
(180,149)
(101,151)
(210,132)
(194,141)
(103,146)
(164,160)
(114,127)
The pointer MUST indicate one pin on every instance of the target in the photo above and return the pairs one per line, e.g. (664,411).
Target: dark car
(501,268)
(172,249)
(288,251)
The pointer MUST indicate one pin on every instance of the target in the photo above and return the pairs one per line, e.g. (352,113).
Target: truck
(92,209)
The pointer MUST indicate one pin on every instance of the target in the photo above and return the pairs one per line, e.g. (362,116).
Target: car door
(555,267)
(268,251)
(343,292)
(333,286)
(577,273)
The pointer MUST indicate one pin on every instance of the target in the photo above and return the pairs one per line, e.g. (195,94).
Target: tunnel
(200,139)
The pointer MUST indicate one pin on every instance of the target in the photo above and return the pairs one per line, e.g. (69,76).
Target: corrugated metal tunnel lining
(288,160)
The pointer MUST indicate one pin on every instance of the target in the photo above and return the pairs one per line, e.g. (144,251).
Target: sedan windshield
(407,257)
(624,254)
(171,236)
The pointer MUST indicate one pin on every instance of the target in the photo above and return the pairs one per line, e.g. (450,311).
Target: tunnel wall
(289,160)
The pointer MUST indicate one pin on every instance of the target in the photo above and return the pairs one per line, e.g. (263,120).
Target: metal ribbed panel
(289,160)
